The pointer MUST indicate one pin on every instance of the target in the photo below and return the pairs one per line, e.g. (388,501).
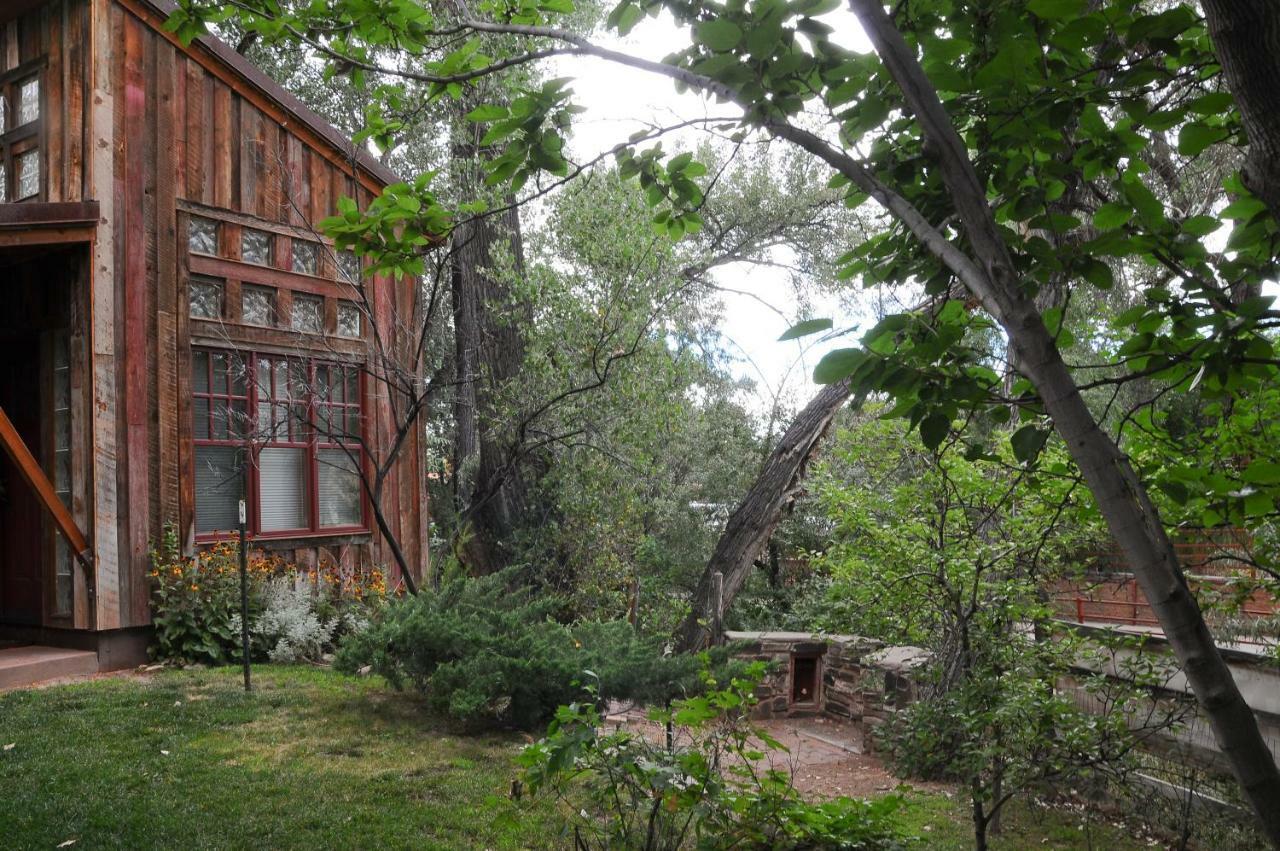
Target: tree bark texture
(753,522)
(1120,494)
(1246,39)
(490,488)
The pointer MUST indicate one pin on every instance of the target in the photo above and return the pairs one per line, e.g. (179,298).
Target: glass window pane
(4,182)
(348,320)
(28,101)
(349,267)
(308,314)
(238,371)
(200,418)
(206,298)
(337,489)
(255,247)
(28,168)
(200,371)
(202,235)
(217,488)
(306,257)
(64,577)
(219,373)
(258,306)
(283,498)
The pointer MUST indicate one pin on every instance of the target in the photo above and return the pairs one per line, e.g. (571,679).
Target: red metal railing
(1119,601)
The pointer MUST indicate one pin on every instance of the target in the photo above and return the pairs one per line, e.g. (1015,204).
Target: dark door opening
(36,395)
(21,515)
(804,679)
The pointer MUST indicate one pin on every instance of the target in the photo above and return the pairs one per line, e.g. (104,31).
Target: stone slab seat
(22,666)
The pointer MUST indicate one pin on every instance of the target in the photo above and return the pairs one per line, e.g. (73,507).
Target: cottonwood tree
(964,125)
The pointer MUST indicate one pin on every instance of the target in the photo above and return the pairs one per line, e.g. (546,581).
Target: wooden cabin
(165,294)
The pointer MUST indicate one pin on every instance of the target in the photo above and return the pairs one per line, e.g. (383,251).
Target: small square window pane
(308,314)
(255,247)
(258,306)
(306,257)
(349,267)
(28,168)
(202,235)
(200,418)
(28,101)
(200,372)
(206,298)
(348,320)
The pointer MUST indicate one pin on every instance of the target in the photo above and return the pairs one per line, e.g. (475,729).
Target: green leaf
(1212,104)
(1051,10)
(838,365)
(1201,225)
(1262,473)
(488,112)
(1195,137)
(934,429)
(1111,216)
(1243,209)
(805,328)
(1027,443)
(718,34)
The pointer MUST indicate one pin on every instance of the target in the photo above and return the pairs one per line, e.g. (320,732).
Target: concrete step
(23,666)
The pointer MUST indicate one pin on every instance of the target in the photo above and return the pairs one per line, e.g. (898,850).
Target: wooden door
(22,530)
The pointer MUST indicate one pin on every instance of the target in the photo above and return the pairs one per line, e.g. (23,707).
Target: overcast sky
(620,101)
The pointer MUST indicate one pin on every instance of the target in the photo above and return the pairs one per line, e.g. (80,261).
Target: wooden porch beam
(34,474)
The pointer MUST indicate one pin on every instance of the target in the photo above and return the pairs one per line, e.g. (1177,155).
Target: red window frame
(293,423)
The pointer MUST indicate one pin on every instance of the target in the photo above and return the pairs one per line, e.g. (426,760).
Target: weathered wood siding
(146,127)
(56,34)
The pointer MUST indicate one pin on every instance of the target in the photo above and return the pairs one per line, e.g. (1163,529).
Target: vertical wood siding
(141,124)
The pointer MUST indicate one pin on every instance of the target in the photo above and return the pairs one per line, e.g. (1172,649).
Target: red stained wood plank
(137,283)
(221,165)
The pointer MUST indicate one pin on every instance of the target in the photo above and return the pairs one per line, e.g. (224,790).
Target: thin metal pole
(244,597)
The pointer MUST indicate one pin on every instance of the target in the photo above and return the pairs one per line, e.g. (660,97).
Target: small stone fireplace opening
(806,678)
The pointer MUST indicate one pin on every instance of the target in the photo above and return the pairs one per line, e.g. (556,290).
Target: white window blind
(282,488)
(338,488)
(217,488)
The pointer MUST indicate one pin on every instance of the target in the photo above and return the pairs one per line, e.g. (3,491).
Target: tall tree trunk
(753,522)
(1246,39)
(1119,493)
(489,482)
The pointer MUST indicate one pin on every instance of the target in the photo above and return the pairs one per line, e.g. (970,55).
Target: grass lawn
(313,759)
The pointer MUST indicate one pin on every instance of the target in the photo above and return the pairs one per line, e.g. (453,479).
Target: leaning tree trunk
(1120,494)
(1246,39)
(753,522)
(489,486)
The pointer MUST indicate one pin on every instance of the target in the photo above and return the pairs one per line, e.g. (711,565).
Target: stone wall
(861,680)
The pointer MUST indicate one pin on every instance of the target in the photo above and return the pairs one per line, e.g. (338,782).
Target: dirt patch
(825,757)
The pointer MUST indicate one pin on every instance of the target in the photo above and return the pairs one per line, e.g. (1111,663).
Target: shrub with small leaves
(487,652)
(718,791)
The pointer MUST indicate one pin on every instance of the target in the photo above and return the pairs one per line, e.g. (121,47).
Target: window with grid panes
(298,421)
(21,119)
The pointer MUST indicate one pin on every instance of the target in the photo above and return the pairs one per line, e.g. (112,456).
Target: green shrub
(488,652)
(621,790)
